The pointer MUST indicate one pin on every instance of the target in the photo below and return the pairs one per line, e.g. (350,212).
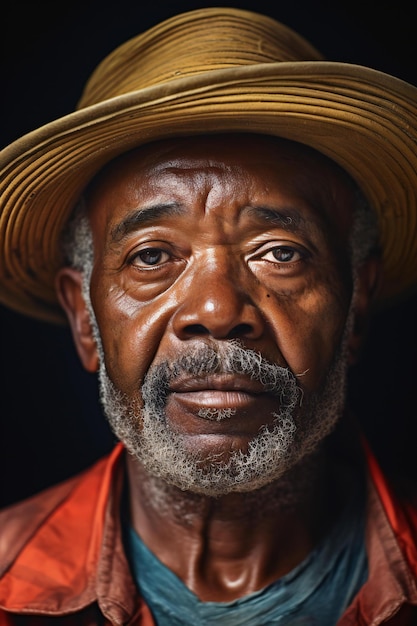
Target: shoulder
(20,522)
(50,544)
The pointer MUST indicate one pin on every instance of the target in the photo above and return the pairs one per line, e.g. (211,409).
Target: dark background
(50,422)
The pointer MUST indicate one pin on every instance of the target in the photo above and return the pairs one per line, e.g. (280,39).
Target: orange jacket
(61,555)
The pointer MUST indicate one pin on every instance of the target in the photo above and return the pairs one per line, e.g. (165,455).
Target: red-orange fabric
(76,526)
(402,519)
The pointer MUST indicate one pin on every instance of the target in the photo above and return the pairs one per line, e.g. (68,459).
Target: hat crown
(193,43)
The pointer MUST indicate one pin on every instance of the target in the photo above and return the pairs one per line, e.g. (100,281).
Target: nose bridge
(217,300)
(218,285)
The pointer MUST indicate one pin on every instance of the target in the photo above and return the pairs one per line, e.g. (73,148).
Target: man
(216,220)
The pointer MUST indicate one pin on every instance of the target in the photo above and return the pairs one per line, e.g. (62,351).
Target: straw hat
(209,70)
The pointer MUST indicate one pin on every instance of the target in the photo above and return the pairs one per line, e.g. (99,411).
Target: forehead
(238,165)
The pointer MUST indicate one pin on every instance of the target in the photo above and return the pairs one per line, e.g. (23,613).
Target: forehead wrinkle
(145,216)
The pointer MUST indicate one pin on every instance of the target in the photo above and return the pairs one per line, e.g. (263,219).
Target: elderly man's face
(218,241)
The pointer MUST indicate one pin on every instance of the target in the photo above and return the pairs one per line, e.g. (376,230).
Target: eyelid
(271,245)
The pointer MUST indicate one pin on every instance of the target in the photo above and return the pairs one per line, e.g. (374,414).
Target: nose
(216,305)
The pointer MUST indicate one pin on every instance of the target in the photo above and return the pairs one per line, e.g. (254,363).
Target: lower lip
(250,412)
(215,399)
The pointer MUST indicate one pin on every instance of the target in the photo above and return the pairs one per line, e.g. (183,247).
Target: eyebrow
(287,217)
(143,217)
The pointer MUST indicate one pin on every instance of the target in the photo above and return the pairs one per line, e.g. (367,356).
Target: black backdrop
(50,423)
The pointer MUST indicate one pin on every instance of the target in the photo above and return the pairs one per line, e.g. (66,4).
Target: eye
(150,257)
(283,254)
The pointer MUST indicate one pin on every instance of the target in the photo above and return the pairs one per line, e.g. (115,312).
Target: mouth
(230,405)
(217,382)
(220,391)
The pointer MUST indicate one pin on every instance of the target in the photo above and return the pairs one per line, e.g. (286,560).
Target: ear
(69,290)
(368,284)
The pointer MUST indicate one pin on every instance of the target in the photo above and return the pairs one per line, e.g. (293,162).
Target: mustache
(226,358)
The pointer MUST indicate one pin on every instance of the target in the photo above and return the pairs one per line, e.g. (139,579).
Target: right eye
(149,258)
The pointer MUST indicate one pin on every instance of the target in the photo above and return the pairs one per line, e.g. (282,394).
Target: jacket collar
(391,582)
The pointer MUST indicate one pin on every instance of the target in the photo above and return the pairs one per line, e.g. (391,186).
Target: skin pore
(235,246)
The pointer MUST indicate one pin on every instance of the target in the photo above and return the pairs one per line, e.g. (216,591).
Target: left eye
(282,254)
(150,257)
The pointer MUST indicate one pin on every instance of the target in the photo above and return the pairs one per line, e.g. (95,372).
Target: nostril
(241,330)
(196,329)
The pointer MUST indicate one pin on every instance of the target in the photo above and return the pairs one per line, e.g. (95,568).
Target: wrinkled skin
(206,240)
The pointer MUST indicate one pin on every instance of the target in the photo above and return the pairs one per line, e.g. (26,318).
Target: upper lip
(216,382)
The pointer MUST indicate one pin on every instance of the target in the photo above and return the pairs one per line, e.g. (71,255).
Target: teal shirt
(316,592)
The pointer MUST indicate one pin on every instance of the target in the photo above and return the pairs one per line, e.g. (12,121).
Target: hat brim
(361,118)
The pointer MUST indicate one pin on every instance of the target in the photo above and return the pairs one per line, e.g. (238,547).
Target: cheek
(131,333)
(308,331)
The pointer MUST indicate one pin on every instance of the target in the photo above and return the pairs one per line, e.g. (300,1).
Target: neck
(210,542)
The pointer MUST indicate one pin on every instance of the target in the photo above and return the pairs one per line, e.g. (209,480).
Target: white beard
(296,431)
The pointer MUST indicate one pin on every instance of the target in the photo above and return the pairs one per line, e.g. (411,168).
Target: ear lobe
(69,291)
(368,280)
